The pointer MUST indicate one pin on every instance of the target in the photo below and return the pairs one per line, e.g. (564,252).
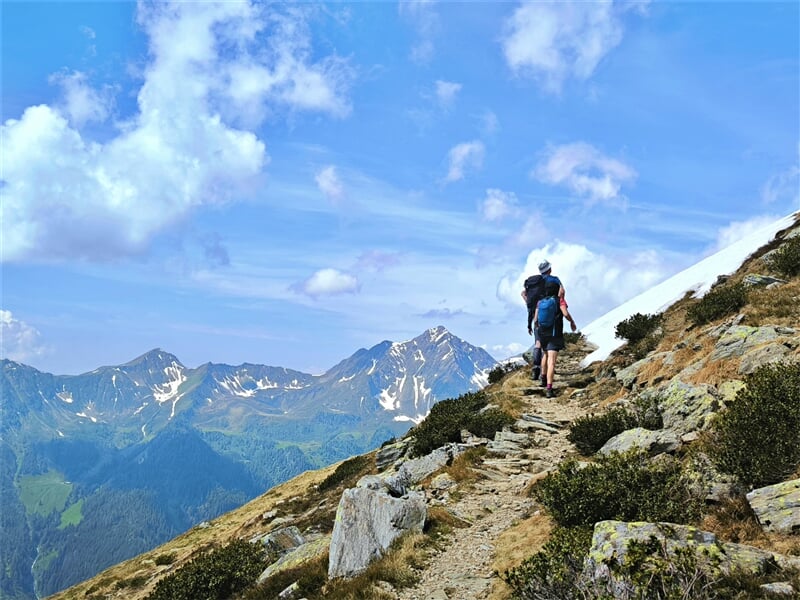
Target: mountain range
(128,456)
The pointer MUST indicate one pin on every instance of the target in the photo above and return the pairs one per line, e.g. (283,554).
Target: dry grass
(515,545)
(777,306)
(461,470)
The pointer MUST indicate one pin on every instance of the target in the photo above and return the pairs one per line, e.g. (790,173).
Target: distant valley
(102,466)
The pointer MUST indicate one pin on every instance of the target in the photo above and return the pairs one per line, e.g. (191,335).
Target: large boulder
(610,546)
(777,507)
(686,407)
(369,518)
(652,442)
(297,557)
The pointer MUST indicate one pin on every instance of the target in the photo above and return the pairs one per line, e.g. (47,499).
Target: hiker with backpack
(532,292)
(548,318)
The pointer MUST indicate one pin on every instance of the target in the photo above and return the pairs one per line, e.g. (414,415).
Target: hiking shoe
(551,393)
(536,373)
(544,381)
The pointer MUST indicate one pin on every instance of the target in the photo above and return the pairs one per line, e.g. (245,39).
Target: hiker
(533,292)
(548,319)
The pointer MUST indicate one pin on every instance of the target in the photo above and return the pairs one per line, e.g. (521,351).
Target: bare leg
(552,355)
(545,364)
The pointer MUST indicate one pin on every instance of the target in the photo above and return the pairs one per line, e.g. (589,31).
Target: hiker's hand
(530,331)
(573,326)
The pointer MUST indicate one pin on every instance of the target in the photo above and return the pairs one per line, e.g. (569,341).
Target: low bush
(719,302)
(448,417)
(572,337)
(349,469)
(757,438)
(626,487)
(215,575)
(553,572)
(590,433)
(786,259)
(637,327)
(165,559)
(498,373)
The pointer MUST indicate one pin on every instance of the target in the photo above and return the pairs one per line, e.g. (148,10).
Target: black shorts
(552,342)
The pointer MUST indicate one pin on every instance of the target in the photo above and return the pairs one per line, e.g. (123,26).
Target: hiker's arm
(561,291)
(531,318)
(565,312)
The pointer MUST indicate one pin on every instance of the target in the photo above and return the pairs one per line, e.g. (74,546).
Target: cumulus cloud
(595,283)
(737,230)
(463,156)
(328,282)
(329,184)
(532,233)
(498,205)
(69,197)
(556,41)
(446,92)
(82,103)
(18,340)
(584,170)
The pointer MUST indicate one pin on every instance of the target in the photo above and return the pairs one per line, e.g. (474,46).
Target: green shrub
(349,469)
(626,487)
(637,327)
(165,559)
(786,259)
(719,302)
(553,572)
(448,417)
(215,575)
(572,337)
(497,374)
(757,438)
(590,433)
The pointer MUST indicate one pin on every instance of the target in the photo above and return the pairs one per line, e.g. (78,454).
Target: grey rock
(685,407)
(367,522)
(290,593)
(297,557)
(390,453)
(739,339)
(279,542)
(610,545)
(754,280)
(779,588)
(628,377)
(769,353)
(653,442)
(777,507)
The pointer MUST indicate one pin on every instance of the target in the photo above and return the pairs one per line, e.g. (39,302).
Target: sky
(284,184)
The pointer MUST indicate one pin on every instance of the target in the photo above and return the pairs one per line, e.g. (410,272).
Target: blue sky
(286,183)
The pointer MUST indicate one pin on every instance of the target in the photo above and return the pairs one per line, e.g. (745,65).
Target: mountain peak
(154,357)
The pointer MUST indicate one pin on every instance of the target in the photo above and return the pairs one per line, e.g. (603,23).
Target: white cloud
(446,92)
(584,170)
(70,197)
(783,187)
(555,41)
(329,184)
(532,233)
(18,340)
(82,103)
(499,204)
(328,282)
(595,283)
(738,230)
(462,156)
(423,15)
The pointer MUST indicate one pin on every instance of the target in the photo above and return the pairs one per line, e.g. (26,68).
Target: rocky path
(463,570)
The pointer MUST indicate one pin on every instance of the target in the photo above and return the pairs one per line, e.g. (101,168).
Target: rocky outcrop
(685,407)
(610,546)
(777,507)
(652,442)
(299,556)
(369,518)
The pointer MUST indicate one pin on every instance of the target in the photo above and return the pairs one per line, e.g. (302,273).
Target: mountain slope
(176,445)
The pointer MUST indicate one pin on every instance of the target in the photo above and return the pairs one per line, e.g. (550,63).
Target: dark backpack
(548,308)
(534,290)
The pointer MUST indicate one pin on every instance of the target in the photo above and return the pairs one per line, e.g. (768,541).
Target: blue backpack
(548,308)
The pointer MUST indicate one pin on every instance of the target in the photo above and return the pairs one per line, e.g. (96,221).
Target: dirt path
(463,570)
